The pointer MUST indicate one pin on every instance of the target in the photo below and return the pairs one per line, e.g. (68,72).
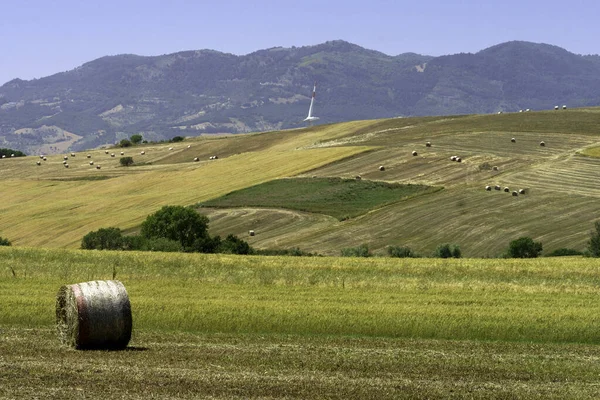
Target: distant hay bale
(196,159)
(122,153)
(564,107)
(41,156)
(89,156)
(44,159)
(495,168)
(515,193)
(488,188)
(64,161)
(216,157)
(499,112)
(3,156)
(142,152)
(105,151)
(542,143)
(358,177)
(458,159)
(112,154)
(72,154)
(527,110)
(428,144)
(65,158)
(251,233)
(38,162)
(520,110)
(12,155)
(381,168)
(513,140)
(189,146)
(94,315)
(556,107)
(497,187)
(414,153)
(521,191)
(453,158)
(170,148)
(66,165)
(91,163)
(506,189)
(97,167)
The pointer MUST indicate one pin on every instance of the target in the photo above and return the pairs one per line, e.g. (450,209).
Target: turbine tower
(310,117)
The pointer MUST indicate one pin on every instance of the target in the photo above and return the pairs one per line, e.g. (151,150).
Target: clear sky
(43,37)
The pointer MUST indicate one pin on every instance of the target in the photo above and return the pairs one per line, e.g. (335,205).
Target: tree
(103,239)
(136,139)
(126,161)
(594,243)
(234,245)
(524,247)
(359,251)
(125,143)
(447,251)
(177,139)
(178,223)
(400,252)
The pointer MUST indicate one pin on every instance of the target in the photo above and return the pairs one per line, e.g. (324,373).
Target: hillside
(49,205)
(200,92)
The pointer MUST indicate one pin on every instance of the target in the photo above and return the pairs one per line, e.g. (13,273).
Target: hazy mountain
(205,91)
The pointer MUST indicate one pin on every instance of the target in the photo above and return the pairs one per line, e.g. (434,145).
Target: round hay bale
(38,162)
(527,110)
(458,159)
(513,140)
(564,107)
(122,153)
(251,233)
(170,148)
(381,168)
(44,159)
(72,154)
(542,143)
(66,165)
(89,156)
(428,144)
(142,152)
(520,110)
(556,107)
(12,155)
(196,159)
(112,154)
(94,315)
(42,156)
(488,188)
(499,112)
(497,187)
(453,158)
(521,191)
(97,167)
(91,163)
(216,157)
(358,177)
(105,151)
(414,153)
(65,158)
(64,161)
(495,168)
(189,146)
(506,189)
(515,193)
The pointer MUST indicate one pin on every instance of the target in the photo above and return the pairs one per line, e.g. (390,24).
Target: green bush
(359,251)
(400,252)
(136,139)
(125,143)
(524,247)
(103,239)
(234,245)
(447,251)
(206,244)
(293,252)
(177,139)
(126,161)
(564,252)
(178,223)
(594,243)
(4,242)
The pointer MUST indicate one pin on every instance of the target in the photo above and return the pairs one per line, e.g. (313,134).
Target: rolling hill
(200,92)
(49,205)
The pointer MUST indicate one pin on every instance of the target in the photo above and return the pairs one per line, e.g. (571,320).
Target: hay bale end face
(453,158)
(521,191)
(358,177)
(196,159)
(515,193)
(458,159)
(488,188)
(381,168)
(89,156)
(506,189)
(414,153)
(497,187)
(251,233)
(542,143)
(495,168)
(428,144)
(513,140)
(94,315)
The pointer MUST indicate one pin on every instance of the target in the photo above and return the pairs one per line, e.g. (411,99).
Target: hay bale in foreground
(94,315)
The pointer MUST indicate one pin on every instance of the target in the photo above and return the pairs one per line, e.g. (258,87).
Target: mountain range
(203,92)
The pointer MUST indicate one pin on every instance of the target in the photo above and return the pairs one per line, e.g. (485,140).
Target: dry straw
(94,315)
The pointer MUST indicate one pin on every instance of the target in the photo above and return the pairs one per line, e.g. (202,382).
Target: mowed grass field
(224,326)
(53,206)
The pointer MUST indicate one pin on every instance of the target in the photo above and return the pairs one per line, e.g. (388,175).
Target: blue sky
(43,37)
